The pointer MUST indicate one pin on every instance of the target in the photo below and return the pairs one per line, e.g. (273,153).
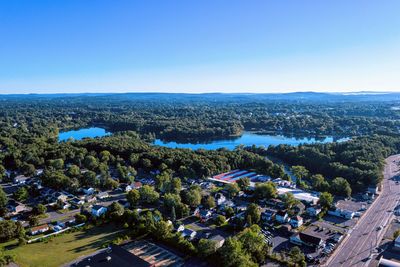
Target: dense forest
(194,118)
(360,160)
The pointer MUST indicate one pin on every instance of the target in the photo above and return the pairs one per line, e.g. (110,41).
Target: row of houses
(55,227)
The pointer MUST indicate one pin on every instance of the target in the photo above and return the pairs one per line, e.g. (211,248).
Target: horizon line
(207,93)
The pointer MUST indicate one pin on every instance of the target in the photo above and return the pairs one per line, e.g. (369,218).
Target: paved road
(364,238)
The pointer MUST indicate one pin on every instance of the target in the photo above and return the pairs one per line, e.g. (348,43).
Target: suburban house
(205,215)
(218,240)
(39,172)
(337,237)
(77,202)
(284,183)
(136,185)
(98,210)
(306,240)
(47,192)
(219,199)
(15,207)
(180,228)
(60,196)
(39,229)
(88,190)
(347,214)
(373,189)
(189,234)
(314,211)
(64,205)
(102,195)
(65,222)
(299,208)
(90,198)
(296,221)
(282,216)
(127,188)
(20,179)
(267,215)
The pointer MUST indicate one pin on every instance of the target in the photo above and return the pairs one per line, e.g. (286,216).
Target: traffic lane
(356,248)
(341,256)
(370,240)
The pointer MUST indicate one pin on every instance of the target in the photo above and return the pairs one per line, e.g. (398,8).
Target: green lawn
(64,248)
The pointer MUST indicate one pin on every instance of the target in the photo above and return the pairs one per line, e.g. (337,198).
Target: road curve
(364,238)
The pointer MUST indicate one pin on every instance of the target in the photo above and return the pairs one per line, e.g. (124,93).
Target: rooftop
(114,256)
(298,194)
(153,254)
(320,232)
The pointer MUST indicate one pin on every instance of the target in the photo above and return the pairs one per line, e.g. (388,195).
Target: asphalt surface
(364,238)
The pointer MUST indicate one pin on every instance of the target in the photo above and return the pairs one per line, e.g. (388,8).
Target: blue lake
(83,133)
(249,139)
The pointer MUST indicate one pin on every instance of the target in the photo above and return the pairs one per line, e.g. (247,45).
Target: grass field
(64,248)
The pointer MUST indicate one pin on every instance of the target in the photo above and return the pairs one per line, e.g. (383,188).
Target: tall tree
(253,210)
(3,199)
(233,254)
(265,190)
(341,187)
(300,172)
(232,189)
(133,197)
(326,200)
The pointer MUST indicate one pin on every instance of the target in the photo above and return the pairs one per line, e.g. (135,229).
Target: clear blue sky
(199,46)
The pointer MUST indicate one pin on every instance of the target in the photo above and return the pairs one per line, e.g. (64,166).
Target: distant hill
(220,97)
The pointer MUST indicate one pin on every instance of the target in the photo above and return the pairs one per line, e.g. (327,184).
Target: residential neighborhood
(288,217)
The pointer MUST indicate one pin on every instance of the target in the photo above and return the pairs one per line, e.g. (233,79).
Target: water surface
(249,139)
(83,133)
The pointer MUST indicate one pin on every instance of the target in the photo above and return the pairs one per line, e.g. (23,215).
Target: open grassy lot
(64,248)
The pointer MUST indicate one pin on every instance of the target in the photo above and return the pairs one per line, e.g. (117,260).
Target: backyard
(62,249)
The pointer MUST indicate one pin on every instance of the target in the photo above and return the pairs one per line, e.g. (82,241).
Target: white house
(39,229)
(90,198)
(88,191)
(98,210)
(220,199)
(180,228)
(347,214)
(189,234)
(127,188)
(20,179)
(64,205)
(102,195)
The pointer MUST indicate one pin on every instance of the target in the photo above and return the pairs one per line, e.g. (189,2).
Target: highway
(364,238)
